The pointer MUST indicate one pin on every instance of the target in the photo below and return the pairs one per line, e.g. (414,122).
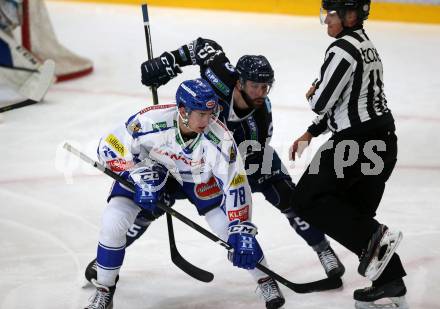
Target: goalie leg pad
(10,14)
(22,71)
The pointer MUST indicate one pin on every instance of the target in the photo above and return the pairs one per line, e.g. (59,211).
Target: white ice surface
(50,203)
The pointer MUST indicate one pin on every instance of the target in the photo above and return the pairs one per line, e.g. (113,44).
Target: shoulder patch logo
(134,127)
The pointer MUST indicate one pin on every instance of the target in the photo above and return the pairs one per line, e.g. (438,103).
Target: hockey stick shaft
(149,46)
(17,105)
(315,286)
(19,68)
(176,257)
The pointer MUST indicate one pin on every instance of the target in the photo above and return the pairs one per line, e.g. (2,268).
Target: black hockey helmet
(255,68)
(341,6)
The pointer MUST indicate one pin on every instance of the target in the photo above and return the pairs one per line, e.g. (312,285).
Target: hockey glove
(149,186)
(159,71)
(206,50)
(247,251)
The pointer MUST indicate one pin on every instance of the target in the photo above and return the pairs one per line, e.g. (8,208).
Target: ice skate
(331,263)
(269,290)
(103,298)
(380,249)
(92,274)
(389,295)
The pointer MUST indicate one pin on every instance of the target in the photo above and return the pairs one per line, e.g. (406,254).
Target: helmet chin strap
(185,119)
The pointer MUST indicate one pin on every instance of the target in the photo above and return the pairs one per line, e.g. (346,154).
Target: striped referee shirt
(349,90)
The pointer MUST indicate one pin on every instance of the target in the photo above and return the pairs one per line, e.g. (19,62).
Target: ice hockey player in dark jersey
(243,91)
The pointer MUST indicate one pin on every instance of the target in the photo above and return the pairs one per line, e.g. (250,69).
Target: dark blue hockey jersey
(252,128)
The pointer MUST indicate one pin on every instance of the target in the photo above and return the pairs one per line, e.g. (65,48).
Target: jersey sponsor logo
(179,157)
(211,136)
(207,190)
(238,180)
(119,165)
(116,144)
(217,82)
(159,125)
(150,108)
(241,214)
(253,128)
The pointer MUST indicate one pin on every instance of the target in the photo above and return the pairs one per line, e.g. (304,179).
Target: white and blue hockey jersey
(153,135)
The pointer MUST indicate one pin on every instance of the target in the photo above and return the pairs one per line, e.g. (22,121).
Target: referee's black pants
(344,207)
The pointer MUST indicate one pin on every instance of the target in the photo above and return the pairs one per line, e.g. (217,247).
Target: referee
(342,187)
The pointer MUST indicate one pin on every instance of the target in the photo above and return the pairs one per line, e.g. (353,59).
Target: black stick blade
(308,287)
(179,261)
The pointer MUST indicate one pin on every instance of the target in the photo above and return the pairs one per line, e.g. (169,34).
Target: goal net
(38,36)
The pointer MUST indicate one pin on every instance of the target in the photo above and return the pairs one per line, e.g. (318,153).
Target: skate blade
(376,267)
(394,303)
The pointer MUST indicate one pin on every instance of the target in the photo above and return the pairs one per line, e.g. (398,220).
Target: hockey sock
(311,235)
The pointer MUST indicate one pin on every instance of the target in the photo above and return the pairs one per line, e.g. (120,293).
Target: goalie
(25,68)
(23,78)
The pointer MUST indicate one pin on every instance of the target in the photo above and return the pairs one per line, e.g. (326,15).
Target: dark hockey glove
(206,50)
(247,251)
(159,71)
(149,186)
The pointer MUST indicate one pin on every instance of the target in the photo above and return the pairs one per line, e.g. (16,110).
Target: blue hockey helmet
(255,68)
(341,6)
(196,94)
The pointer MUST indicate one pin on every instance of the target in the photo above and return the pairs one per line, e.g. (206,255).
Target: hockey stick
(149,46)
(314,286)
(19,68)
(17,105)
(176,257)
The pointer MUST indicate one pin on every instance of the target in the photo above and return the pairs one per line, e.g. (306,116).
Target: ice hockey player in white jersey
(167,151)
(20,72)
